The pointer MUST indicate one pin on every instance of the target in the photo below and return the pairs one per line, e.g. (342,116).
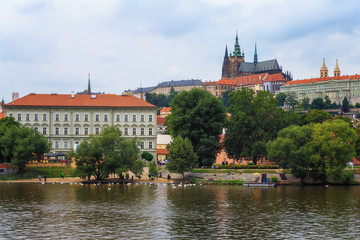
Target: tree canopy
(161,100)
(345,107)
(316,116)
(281,98)
(254,120)
(147,156)
(107,153)
(198,116)
(291,100)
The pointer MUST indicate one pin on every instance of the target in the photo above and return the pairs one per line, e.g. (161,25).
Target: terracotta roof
(274,77)
(161,151)
(2,115)
(160,120)
(315,80)
(165,109)
(210,83)
(65,100)
(259,78)
(226,82)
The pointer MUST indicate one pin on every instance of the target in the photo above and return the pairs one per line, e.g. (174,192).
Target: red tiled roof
(160,120)
(315,80)
(274,77)
(2,115)
(226,82)
(65,100)
(162,151)
(165,109)
(210,83)
(259,78)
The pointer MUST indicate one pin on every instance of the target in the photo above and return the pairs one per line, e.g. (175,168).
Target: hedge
(238,166)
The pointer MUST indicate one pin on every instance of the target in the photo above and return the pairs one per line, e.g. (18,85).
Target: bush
(240,166)
(250,163)
(274,179)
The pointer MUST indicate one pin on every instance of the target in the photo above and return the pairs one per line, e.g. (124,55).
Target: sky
(50,46)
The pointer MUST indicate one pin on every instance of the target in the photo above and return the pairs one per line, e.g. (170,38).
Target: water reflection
(177,212)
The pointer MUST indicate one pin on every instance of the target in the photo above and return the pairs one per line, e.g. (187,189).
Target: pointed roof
(337,69)
(323,67)
(255,55)
(237,51)
(226,52)
(89,87)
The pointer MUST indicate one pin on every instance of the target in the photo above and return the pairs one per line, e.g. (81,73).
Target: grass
(34,172)
(211,170)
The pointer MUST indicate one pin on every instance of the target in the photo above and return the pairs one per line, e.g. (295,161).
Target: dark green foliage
(254,120)
(5,124)
(345,105)
(305,103)
(240,166)
(225,96)
(327,102)
(318,103)
(147,156)
(161,100)
(291,100)
(198,116)
(281,98)
(274,179)
(357,105)
(153,169)
(316,116)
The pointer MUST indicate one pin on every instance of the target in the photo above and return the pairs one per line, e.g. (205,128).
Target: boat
(249,184)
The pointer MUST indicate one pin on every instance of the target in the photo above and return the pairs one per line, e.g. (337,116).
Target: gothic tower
(89,87)
(236,58)
(323,70)
(337,70)
(255,56)
(226,65)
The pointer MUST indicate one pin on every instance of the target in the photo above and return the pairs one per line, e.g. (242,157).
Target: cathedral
(234,64)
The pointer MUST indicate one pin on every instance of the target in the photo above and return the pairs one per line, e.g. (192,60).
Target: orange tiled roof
(2,115)
(65,100)
(161,151)
(315,80)
(226,82)
(165,109)
(209,83)
(259,78)
(160,120)
(274,77)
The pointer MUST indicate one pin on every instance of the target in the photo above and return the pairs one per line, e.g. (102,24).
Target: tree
(327,103)
(181,156)
(281,98)
(254,120)
(5,124)
(99,156)
(317,103)
(345,106)
(199,116)
(225,98)
(305,103)
(23,145)
(147,156)
(153,169)
(291,100)
(316,116)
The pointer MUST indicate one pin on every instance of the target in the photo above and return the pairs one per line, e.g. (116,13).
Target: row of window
(66,145)
(86,117)
(97,131)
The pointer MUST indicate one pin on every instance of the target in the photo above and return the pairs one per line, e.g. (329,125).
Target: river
(74,211)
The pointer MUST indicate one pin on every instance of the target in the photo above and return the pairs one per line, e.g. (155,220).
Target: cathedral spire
(226,53)
(323,70)
(255,55)
(89,87)
(336,69)
(237,51)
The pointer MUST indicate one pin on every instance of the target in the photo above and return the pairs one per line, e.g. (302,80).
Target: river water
(73,211)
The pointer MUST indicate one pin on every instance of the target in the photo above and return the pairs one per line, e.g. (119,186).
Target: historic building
(336,88)
(66,120)
(234,64)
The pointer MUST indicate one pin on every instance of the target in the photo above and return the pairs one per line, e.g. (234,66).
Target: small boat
(259,184)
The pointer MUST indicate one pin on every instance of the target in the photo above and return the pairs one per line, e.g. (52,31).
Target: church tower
(89,87)
(323,70)
(226,66)
(236,58)
(337,70)
(255,56)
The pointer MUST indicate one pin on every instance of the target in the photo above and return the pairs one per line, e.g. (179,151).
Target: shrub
(239,166)
(274,179)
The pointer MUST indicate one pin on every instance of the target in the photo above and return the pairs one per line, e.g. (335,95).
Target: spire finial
(237,50)
(89,87)
(255,55)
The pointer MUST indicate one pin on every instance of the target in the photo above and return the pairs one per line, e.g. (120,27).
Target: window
(142,145)
(36,117)
(86,118)
(150,118)
(19,117)
(118,118)
(134,118)
(105,118)
(66,145)
(44,117)
(126,118)
(150,131)
(126,131)
(57,130)
(56,144)
(142,131)
(44,130)
(86,131)
(36,129)
(97,131)
(134,131)
(66,131)
(66,117)
(10,115)
(97,118)
(57,117)
(27,118)
(77,118)
(150,145)
(77,131)
(142,118)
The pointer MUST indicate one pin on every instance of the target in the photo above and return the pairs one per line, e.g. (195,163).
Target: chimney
(72,94)
(15,96)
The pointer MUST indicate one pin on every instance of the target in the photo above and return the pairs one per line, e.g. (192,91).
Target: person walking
(45,178)
(39,178)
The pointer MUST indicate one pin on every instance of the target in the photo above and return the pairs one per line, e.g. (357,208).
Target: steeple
(255,55)
(237,51)
(226,53)
(323,70)
(226,65)
(337,70)
(89,87)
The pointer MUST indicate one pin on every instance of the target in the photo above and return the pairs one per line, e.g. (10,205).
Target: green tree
(198,116)
(225,96)
(291,100)
(181,156)
(5,124)
(153,169)
(316,116)
(254,120)
(317,103)
(345,105)
(305,103)
(99,156)
(281,98)
(327,102)
(23,145)
(147,156)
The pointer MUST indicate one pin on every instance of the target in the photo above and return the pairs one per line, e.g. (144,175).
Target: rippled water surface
(64,211)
